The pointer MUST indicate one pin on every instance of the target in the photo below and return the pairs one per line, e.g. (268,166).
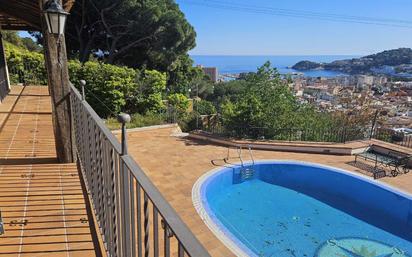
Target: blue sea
(239,64)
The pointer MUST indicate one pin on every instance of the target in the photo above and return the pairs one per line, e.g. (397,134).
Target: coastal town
(391,98)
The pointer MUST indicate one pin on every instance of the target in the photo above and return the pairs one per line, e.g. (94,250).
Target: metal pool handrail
(251,154)
(133,216)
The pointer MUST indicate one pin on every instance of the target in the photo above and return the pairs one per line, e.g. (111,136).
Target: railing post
(124,118)
(125,230)
(83,84)
(373,124)
(345,134)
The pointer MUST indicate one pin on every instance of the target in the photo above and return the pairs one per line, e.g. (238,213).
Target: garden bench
(396,162)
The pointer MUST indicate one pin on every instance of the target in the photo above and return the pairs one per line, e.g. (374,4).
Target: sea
(238,64)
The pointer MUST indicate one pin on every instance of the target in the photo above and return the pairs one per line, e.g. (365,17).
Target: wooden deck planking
(42,202)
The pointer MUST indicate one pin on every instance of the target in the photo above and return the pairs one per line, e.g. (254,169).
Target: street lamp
(55,17)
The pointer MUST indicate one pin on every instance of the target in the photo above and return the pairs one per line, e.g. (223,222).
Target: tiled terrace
(42,202)
(174,164)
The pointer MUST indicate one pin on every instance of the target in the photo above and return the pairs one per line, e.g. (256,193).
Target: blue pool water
(291,209)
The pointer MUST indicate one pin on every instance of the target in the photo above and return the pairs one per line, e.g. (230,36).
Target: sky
(256,28)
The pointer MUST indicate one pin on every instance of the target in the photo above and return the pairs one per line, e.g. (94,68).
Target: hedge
(25,66)
(106,86)
(110,89)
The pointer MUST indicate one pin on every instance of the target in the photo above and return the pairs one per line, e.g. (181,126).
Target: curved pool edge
(231,241)
(214,225)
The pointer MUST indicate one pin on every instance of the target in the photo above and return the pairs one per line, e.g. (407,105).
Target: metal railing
(391,136)
(28,74)
(330,135)
(133,216)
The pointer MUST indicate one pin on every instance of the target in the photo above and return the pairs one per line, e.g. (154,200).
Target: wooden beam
(17,27)
(59,87)
(68,4)
(26,11)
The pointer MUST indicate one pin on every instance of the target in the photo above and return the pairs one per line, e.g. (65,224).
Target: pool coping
(227,237)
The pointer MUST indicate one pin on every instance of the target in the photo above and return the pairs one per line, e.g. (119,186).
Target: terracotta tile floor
(174,165)
(41,201)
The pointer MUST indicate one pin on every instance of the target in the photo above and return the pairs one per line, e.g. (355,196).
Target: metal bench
(396,162)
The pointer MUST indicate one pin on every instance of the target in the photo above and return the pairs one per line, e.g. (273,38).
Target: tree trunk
(59,87)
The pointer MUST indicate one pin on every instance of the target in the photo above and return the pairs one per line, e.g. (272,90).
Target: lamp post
(55,17)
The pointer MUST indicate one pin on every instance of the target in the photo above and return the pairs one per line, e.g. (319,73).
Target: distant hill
(397,62)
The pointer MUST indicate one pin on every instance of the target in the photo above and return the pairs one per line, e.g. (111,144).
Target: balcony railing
(133,216)
(391,136)
(329,135)
(28,74)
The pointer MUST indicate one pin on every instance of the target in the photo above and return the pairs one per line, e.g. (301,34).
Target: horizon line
(265,55)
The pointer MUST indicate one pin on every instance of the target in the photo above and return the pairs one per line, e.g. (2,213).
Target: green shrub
(138,121)
(110,89)
(25,66)
(187,121)
(204,107)
(179,102)
(147,96)
(149,119)
(106,86)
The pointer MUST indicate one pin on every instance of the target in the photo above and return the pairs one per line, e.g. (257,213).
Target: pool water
(278,213)
(275,221)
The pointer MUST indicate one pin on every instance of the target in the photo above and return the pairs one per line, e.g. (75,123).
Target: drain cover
(27,175)
(20,223)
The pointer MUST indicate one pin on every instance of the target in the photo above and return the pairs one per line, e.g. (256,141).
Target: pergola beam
(24,14)
(25,11)
(14,26)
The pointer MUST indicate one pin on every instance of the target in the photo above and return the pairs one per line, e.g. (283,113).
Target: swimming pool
(294,209)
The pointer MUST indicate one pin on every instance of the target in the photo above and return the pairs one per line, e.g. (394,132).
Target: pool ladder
(246,172)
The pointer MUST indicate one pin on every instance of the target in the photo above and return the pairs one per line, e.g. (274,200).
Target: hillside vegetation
(258,104)
(399,59)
